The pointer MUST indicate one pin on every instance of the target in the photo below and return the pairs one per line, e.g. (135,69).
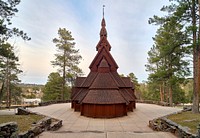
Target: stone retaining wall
(37,128)
(164,124)
(49,124)
(54,102)
(153,102)
(23,111)
(8,130)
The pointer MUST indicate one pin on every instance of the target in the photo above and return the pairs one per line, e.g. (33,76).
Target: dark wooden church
(103,93)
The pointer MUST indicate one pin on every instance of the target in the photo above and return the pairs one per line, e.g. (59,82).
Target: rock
(164,124)
(9,129)
(187,108)
(56,125)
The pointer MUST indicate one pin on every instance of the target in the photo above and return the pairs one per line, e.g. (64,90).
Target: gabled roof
(104,97)
(79,81)
(104,81)
(103,53)
(127,82)
(118,79)
(103,64)
(89,79)
(127,95)
(80,95)
(103,42)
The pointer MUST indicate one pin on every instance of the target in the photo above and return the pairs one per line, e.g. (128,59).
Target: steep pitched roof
(128,82)
(103,53)
(89,79)
(104,97)
(125,93)
(104,81)
(103,64)
(80,95)
(103,42)
(103,37)
(118,79)
(79,81)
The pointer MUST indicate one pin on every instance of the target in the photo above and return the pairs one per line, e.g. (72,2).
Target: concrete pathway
(135,125)
(8,112)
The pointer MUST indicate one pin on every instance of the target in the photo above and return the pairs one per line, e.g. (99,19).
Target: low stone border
(37,128)
(153,102)
(54,102)
(49,124)
(23,111)
(166,125)
(10,129)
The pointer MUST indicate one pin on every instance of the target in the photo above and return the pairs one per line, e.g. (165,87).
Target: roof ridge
(119,78)
(92,79)
(123,96)
(101,79)
(104,53)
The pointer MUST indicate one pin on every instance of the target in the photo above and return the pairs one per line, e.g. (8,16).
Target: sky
(127,26)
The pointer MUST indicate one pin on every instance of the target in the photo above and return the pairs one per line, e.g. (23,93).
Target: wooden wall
(103,110)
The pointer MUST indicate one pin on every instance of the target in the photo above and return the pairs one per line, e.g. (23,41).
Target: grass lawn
(24,122)
(186,119)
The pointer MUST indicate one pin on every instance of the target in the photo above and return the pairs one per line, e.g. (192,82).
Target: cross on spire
(103,10)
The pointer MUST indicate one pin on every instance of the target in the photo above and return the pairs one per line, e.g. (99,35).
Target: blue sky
(129,33)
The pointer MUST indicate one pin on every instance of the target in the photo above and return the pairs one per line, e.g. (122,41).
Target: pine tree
(52,89)
(9,69)
(7,11)
(166,58)
(67,58)
(186,13)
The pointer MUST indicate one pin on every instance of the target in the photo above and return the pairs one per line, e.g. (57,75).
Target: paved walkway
(8,112)
(135,125)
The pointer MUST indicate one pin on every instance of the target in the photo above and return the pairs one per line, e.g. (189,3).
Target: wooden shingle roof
(104,81)
(79,81)
(104,97)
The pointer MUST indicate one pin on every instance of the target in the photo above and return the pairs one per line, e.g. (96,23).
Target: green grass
(186,119)
(24,122)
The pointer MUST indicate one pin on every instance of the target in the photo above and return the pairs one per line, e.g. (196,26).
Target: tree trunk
(64,75)
(161,99)
(167,95)
(162,92)
(7,84)
(1,93)
(170,96)
(195,106)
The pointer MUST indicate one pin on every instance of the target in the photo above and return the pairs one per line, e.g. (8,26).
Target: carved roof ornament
(103,32)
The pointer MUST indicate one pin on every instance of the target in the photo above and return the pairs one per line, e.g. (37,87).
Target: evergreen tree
(9,69)
(7,11)
(135,83)
(186,13)
(67,58)
(166,61)
(52,89)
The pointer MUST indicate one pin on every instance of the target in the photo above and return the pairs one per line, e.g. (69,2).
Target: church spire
(103,32)
(103,10)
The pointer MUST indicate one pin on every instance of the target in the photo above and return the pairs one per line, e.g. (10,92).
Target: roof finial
(103,32)
(103,10)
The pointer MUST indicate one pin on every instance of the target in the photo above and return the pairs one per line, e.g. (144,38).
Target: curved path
(135,125)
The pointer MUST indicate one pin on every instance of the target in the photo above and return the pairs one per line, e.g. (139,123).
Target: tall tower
(103,93)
